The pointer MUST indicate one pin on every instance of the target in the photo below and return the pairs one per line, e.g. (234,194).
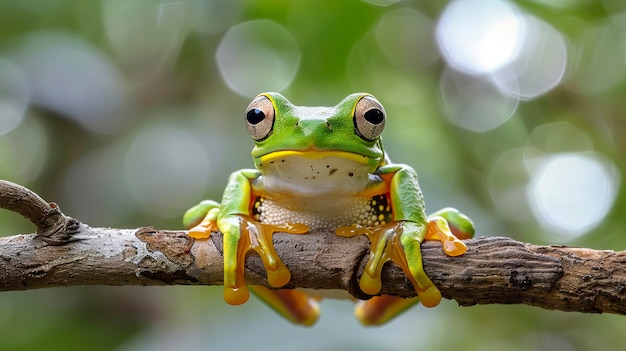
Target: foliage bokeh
(126,113)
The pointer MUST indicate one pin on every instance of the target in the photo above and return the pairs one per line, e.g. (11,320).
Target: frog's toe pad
(236,296)
(199,232)
(278,275)
(430,297)
(206,227)
(370,285)
(454,247)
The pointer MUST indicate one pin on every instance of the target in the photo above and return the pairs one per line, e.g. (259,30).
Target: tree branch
(494,270)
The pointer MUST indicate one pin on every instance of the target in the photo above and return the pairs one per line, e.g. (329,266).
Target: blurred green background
(126,113)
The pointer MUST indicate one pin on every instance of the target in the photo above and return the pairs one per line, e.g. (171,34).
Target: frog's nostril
(328,125)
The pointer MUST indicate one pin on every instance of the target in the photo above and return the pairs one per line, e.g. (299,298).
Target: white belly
(323,193)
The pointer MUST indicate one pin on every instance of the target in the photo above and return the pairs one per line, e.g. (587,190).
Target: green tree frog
(324,168)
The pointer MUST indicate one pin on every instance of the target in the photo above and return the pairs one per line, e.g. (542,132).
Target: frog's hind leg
(381,309)
(294,305)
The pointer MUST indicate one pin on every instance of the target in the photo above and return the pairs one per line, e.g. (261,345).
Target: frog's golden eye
(369,118)
(260,118)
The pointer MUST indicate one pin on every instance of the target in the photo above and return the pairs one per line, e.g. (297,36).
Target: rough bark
(494,270)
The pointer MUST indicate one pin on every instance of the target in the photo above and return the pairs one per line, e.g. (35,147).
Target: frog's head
(316,151)
(350,130)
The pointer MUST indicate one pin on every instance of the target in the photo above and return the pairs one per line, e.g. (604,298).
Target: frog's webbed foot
(242,234)
(208,225)
(296,306)
(439,230)
(398,241)
(403,248)
(459,224)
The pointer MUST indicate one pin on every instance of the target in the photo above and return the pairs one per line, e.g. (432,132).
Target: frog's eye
(260,118)
(369,118)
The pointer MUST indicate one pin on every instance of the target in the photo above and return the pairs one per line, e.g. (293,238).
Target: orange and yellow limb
(397,242)
(296,306)
(249,235)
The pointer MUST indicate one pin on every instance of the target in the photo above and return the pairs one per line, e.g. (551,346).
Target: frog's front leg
(454,222)
(201,219)
(380,309)
(242,233)
(400,241)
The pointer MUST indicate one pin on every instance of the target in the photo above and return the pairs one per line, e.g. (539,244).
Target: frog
(325,169)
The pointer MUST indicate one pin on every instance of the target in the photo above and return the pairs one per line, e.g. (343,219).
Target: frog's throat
(273,156)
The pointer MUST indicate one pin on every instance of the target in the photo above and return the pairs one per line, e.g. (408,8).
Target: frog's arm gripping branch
(494,270)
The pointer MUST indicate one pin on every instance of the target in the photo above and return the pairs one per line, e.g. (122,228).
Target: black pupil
(374,116)
(255,116)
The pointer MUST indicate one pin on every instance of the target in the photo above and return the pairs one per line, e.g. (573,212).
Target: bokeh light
(479,36)
(559,137)
(146,35)
(95,190)
(570,193)
(495,43)
(212,17)
(556,179)
(369,69)
(382,2)
(539,64)
(24,152)
(257,56)
(166,167)
(407,38)
(600,59)
(14,96)
(507,180)
(474,103)
(76,80)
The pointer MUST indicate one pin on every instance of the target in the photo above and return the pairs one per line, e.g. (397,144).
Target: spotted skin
(362,211)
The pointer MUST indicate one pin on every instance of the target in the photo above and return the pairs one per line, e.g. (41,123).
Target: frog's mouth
(313,154)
